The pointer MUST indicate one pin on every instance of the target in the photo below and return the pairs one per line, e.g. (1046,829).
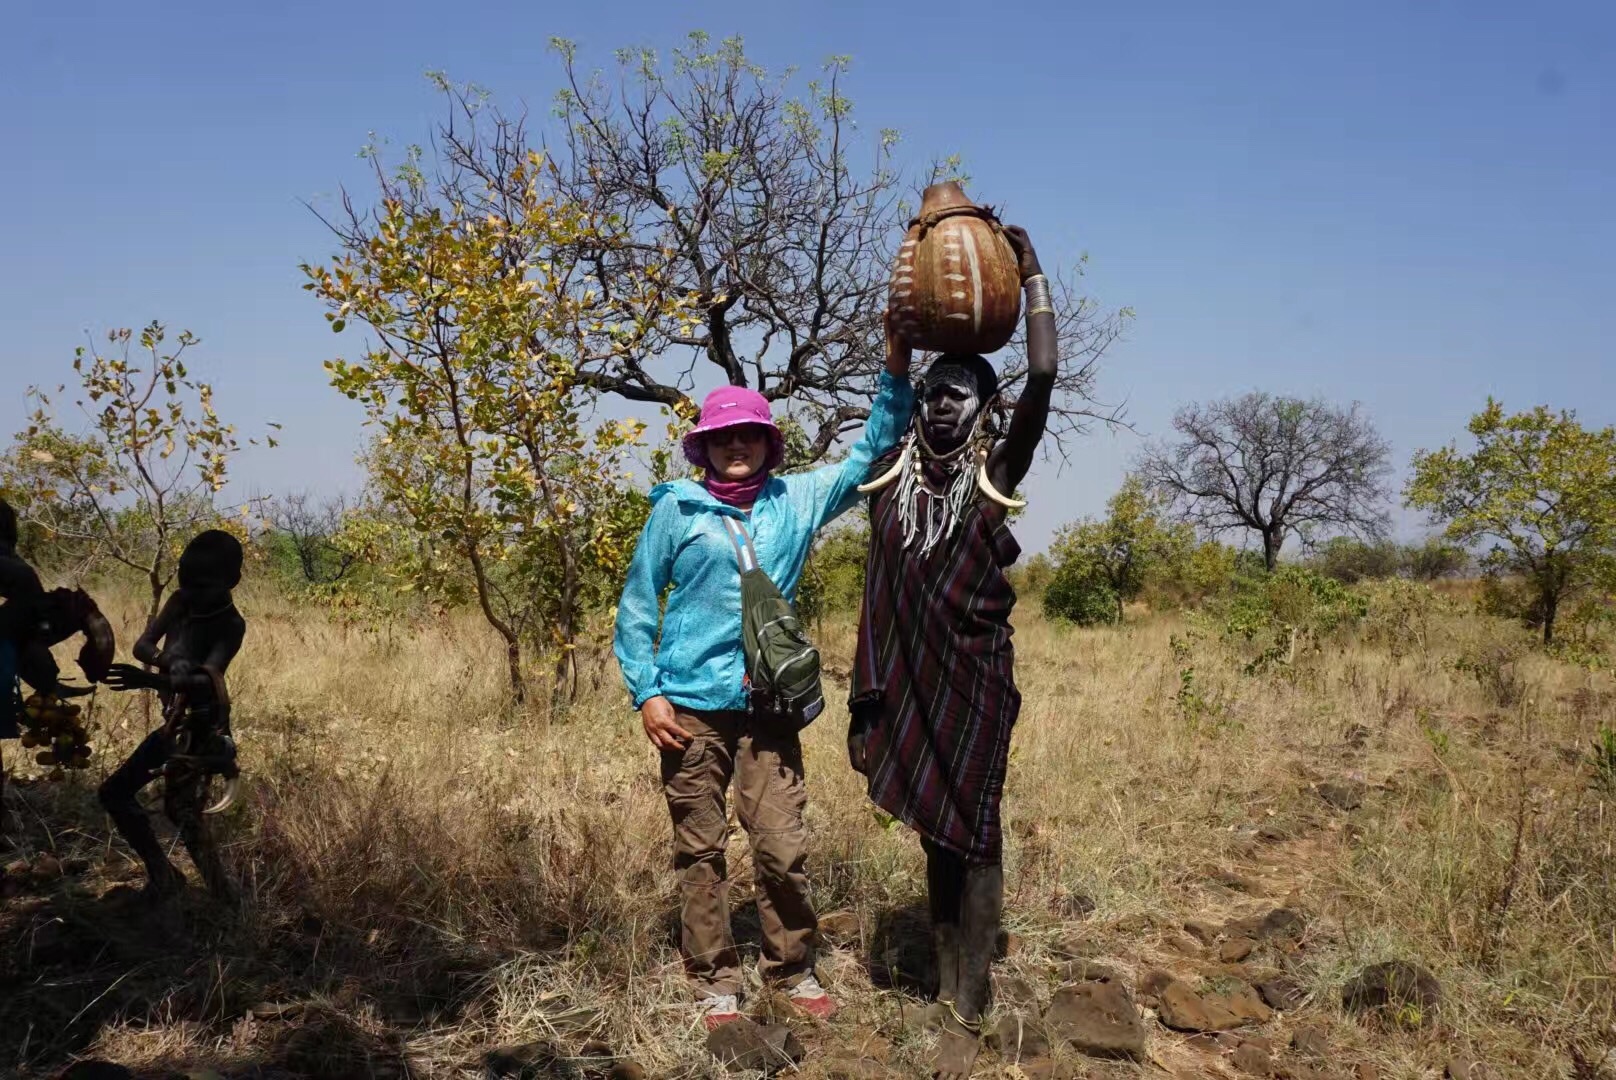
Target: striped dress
(933,681)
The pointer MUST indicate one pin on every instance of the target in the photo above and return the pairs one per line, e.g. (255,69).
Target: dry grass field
(431,876)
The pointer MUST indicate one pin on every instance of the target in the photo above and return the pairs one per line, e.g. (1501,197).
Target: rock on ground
(1395,985)
(1096,1018)
(745,1046)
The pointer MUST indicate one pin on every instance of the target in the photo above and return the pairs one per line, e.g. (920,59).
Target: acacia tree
(142,476)
(1540,487)
(1115,555)
(1273,466)
(481,320)
(757,200)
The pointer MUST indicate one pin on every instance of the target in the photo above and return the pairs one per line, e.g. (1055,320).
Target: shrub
(1291,607)
(1083,599)
(1349,560)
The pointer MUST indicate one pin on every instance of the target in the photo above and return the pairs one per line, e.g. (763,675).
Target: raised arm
(1012,458)
(837,485)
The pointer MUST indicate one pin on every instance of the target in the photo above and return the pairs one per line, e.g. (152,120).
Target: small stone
(1235,950)
(1357,736)
(1079,971)
(1213,1042)
(1152,983)
(1182,1009)
(1407,990)
(839,927)
(1201,931)
(1252,1057)
(1310,1042)
(1365,1071)
(1343,796)
(745,1046)
(18,869)
(1076,905)
(1282,994)
(1244,1004)
(1075,947)
(627,1070)
(515,1060)
(1096,1019)
(1464,1068)
(47,868)
(1182,943)
(1018,1036)
(1283,923)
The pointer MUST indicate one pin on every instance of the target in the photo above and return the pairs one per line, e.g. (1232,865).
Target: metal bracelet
(1038,299)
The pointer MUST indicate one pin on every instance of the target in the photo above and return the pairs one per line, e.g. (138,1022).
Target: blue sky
(1404,204)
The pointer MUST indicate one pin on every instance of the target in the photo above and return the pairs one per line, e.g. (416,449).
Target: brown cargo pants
(769,799)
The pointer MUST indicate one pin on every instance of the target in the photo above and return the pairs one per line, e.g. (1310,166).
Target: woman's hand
(898,350)
(662,726)
(1026,257)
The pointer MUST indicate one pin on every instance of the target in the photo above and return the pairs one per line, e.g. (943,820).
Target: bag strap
(745,554)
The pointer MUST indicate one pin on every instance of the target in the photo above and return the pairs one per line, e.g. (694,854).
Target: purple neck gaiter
(736,492)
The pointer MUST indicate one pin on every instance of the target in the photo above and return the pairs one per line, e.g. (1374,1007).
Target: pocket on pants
(695,801)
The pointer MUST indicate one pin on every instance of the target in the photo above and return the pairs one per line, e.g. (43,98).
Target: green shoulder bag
(781,663)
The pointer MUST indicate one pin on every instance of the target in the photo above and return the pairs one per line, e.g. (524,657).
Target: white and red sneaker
(811,998)
(719,1009)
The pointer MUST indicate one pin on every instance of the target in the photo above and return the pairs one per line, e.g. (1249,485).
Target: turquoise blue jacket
(697,664)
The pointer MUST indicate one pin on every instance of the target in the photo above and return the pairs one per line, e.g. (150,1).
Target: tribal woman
(190,644)
(934,695)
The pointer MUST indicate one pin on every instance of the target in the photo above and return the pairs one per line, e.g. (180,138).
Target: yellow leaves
(45,457)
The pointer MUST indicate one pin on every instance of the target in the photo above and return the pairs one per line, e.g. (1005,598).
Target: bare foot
(956,1053)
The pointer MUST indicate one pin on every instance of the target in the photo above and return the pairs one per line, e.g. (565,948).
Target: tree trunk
(513,664)
(1271,541)
(1119,609)
(1551,607)
(565,686)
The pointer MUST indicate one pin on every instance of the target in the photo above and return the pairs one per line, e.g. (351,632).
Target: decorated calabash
(956,286)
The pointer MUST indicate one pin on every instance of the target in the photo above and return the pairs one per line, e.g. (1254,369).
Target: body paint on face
(950,402)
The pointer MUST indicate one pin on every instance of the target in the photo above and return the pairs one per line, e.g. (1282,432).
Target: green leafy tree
(484,316)
(1435,559)
(1349,560)
(1540,488)
(1113,558)
(143,474)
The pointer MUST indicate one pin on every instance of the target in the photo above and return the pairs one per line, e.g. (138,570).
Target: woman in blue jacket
(689,682)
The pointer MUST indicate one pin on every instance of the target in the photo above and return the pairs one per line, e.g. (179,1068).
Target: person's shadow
(901,956)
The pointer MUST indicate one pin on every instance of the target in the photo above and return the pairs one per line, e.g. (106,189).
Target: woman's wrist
(1038,297)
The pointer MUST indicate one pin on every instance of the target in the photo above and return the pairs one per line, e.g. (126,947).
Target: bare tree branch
(1273,466)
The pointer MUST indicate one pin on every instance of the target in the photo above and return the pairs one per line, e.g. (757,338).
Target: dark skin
(948,419)
(190,643)
(966,900)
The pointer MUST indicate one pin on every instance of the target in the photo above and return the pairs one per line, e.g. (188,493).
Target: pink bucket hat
(729,406)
